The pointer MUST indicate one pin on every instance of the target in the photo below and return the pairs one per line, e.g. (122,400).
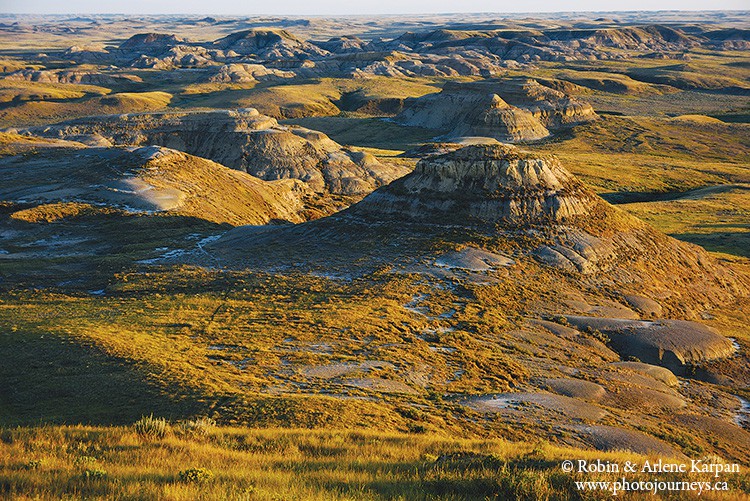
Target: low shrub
(149,426)
(33,464)
(84,461)
(94,474)
(195,475)
(198,426)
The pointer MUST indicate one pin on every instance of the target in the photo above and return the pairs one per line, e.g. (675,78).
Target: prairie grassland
(648,154)
(368,132)
(204,462)
(198,341)
(14,91)
(44,112)
(717,218)
(10,64)
(306,98)
(703,69)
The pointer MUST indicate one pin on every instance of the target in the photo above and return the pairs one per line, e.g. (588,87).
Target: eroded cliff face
(553,108)
(484,184)
(518,200)
(240,139)
(441,53)
(71,76)
(269,44)
(247,73)
(515,109)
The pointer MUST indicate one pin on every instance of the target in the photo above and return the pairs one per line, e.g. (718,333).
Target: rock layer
(483,184)
(673,344)
(240,139)
(149,180)
(513,109)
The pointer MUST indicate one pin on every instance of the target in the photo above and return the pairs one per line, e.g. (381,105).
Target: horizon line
(416,14)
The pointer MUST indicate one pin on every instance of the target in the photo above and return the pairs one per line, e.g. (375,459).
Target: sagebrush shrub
(84,460)
(94,474)
(196,475)
(33,464)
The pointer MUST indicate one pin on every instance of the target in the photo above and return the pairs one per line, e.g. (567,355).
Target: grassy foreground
(195,460)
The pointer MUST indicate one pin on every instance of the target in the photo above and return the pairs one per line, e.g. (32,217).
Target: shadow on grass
(735,243)
(50,379)
(84,252)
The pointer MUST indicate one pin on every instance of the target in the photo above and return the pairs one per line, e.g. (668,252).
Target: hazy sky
(341,7)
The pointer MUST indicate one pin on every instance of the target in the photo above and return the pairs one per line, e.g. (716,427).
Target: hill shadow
(46,378)
(735,243)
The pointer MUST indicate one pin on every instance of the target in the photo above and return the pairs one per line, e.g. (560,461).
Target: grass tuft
(149,426)
(198,426)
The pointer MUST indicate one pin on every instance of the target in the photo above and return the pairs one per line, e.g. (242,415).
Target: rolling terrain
(368,259)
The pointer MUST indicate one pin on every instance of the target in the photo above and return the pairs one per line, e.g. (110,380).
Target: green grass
(300,98)
(14,91)
(653,154)
(717,219)
(167,342)
(35,112)
(658,161)
(367,132)
(180,349)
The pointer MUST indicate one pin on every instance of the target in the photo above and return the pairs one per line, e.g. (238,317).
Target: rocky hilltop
(452,51)
(269,44)
(518,234)
(139,180)
(483,184)
(520,200)
(240,139)
(72,76)
(247,73)
(511,109)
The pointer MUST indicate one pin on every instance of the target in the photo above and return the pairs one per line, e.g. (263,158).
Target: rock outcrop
(515,109)
(525,201)
(151,44)
(483,184)
(269,44)
(477,51)
(674,344)
(244,140)
(247,73)
(72,77)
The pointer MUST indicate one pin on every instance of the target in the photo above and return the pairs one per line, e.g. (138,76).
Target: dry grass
(97,338)
(235,463)
(716,218)
(299,99)
(373,133)
(15,91)
(43,112)
(640,154)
